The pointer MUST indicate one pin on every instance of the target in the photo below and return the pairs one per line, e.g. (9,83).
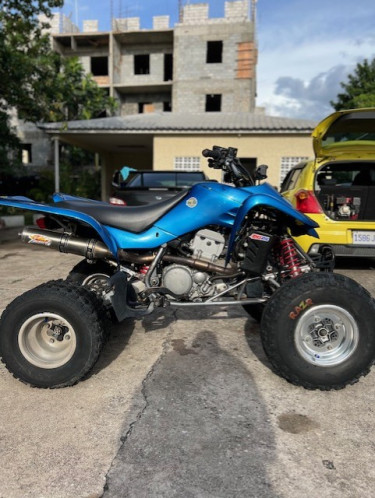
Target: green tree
(24,59)
(34,80)
(359,91)
(74,94)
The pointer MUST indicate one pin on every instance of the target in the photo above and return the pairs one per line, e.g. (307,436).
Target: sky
(306,47)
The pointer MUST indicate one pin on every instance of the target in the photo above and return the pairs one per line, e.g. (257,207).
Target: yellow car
(337,188)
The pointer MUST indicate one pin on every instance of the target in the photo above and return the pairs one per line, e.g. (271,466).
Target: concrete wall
(90,26)
(126,24)
(193,77)
(267,149)
(124,72)
(160,22)
(129,103)
(41,146)
(59,23)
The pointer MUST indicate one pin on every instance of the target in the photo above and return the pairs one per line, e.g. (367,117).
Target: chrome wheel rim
(47,340)
(326,335)
(96,282)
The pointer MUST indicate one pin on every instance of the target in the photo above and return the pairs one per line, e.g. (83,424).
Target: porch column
(57,163)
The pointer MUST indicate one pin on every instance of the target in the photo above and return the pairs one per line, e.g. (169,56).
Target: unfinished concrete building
(179,90)
(200,65)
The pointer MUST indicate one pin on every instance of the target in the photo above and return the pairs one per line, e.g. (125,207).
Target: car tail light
(307,202)
(116,201)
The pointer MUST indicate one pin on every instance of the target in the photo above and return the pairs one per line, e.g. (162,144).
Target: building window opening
(214,52)
(213,103)
(145,107)
(26,153)
(167,107)
(99,66)
(168,67)
(142,64)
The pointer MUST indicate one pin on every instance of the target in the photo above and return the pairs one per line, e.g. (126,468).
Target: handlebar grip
(214,154)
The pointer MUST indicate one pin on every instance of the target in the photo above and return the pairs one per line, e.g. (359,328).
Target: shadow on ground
(203,432)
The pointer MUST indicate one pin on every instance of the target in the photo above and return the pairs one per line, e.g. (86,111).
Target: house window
(142,64)
(214,52)
(26,150)
(213,103)
(99,66)
(188,163)
(287,164)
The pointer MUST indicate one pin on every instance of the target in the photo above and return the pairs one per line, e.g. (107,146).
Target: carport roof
(170,122)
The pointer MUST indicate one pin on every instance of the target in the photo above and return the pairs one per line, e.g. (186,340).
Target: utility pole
(76,12)
(253,11)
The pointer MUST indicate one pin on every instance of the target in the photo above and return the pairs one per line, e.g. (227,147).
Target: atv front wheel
(317,331)
(51,336)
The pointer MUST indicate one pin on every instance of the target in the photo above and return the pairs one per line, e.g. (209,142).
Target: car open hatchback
(337,188)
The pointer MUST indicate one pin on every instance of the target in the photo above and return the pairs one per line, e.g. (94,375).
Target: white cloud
(305,52)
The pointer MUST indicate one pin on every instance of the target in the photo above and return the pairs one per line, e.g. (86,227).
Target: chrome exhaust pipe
(65,242)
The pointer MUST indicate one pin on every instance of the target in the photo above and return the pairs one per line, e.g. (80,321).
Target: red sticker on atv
(297,309)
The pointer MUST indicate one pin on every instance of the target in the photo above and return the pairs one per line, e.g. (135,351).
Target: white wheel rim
(47,340)
(326,335)
(94,279)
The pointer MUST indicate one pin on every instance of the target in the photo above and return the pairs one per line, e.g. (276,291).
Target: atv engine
(207,244)
(185,281)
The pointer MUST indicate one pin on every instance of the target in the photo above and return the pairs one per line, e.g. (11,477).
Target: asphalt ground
(180,404)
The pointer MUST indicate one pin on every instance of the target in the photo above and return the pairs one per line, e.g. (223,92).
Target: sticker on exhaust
(40,240)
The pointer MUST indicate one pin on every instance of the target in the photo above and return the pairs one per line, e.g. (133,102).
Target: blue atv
(227,244)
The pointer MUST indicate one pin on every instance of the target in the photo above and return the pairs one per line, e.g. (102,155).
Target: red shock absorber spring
(144,269)
(289,257)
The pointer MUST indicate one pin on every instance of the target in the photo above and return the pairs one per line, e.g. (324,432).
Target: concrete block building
(199,65)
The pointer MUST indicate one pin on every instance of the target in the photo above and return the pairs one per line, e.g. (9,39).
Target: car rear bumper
(342,250)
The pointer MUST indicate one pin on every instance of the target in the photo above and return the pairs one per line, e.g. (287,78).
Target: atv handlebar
(226,159)
(214,154)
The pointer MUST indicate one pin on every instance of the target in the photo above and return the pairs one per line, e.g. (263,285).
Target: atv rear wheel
(317,331)
(51,336)
(93,276)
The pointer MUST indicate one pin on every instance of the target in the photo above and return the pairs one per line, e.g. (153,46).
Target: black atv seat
(134,219)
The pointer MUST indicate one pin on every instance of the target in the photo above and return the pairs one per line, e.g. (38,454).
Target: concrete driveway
(181,404)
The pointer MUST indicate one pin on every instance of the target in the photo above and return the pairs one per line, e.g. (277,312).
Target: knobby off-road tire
(318,331)
(94,277)
(52,335)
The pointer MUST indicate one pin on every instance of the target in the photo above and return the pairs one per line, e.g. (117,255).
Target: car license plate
(364,238)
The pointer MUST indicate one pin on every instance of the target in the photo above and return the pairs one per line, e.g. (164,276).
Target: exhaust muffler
(65,242)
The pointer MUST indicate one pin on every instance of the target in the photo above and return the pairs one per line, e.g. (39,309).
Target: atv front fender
(297,222)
